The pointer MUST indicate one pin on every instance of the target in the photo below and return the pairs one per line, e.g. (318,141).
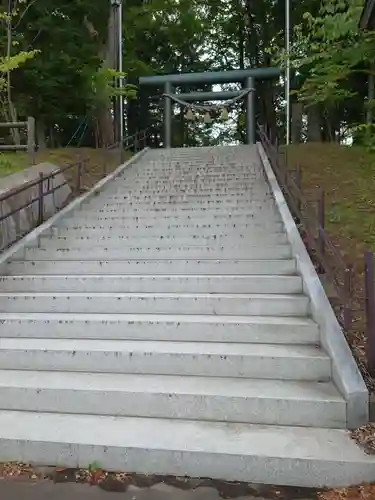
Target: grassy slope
(96,160)
(347,175)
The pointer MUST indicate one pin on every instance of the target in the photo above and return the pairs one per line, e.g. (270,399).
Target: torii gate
(246,76)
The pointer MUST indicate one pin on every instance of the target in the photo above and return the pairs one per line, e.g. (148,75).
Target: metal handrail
(43,183)
(327,256)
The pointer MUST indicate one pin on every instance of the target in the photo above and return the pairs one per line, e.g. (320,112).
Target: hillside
(96,161)
(347,176)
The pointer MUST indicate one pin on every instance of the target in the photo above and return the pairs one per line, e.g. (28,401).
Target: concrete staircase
(159,325)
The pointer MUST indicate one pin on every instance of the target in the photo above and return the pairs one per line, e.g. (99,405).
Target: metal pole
(121,80)
(287,72)
(167,116)
(250,112)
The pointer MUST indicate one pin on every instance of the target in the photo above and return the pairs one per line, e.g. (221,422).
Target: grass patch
(96,161)
(347,176)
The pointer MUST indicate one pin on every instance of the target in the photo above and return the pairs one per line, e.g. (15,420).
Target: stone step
(156,303)
(205,359)
(154,266)
(187,197)
(149,284)
(254,192)
(174,327)
(268,402)
(282,455)
(179,206)
(193,193)
(267,219)
(54,250)
(165,227)
(172,210)
(208,237)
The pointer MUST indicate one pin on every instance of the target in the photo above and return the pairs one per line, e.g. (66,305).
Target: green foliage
(329,49)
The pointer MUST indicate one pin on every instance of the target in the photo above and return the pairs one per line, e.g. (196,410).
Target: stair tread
(141,295)
(179,318)
(210,438)
(172,384)
(158,346)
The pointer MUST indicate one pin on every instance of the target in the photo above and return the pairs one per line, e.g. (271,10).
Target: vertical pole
(250,112)
(370,95)
(321,222)
(298,195)
(78,175)
(348,284)
(31,140)
(167,116)
(287,72)
(41,199)
(370,310)
(121,79)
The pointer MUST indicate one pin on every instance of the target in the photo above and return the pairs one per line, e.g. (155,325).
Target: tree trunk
(41,134)
(314,133)
(370,95)
(103,111)
(296,125)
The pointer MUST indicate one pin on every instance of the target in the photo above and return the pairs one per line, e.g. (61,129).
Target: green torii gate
(246,76)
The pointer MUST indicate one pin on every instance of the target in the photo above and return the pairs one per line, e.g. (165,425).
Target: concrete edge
(76,203)
(345,372)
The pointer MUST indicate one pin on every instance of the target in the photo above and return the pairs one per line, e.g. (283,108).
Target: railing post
(136,142)
(78,175)
(370,310)
(299,186)
(41,199)
(321,222)
(122,156)
(348,286)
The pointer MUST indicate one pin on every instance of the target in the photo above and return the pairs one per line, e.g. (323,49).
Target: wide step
(55,250)
(190,328)
(262,361)
(295,456)
(152,284)
(157,303)
(270,402)
(154,267)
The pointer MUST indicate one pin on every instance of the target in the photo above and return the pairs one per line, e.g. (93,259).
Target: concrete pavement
(48,490)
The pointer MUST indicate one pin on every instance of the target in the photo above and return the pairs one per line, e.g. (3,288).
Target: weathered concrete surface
(47,490)
(24,220)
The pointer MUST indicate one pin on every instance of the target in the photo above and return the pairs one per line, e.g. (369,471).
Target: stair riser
(172,267)
(82,253)
(143,198)
(282,306)
(266,220)
(303,368)
(167,184)
(92,239)
(167,227)
(251,468)
(172,209)
(267,411)
(149,284)
(161,330)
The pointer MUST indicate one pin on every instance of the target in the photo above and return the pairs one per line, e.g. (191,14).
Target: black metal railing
(11,202)
(310,217)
